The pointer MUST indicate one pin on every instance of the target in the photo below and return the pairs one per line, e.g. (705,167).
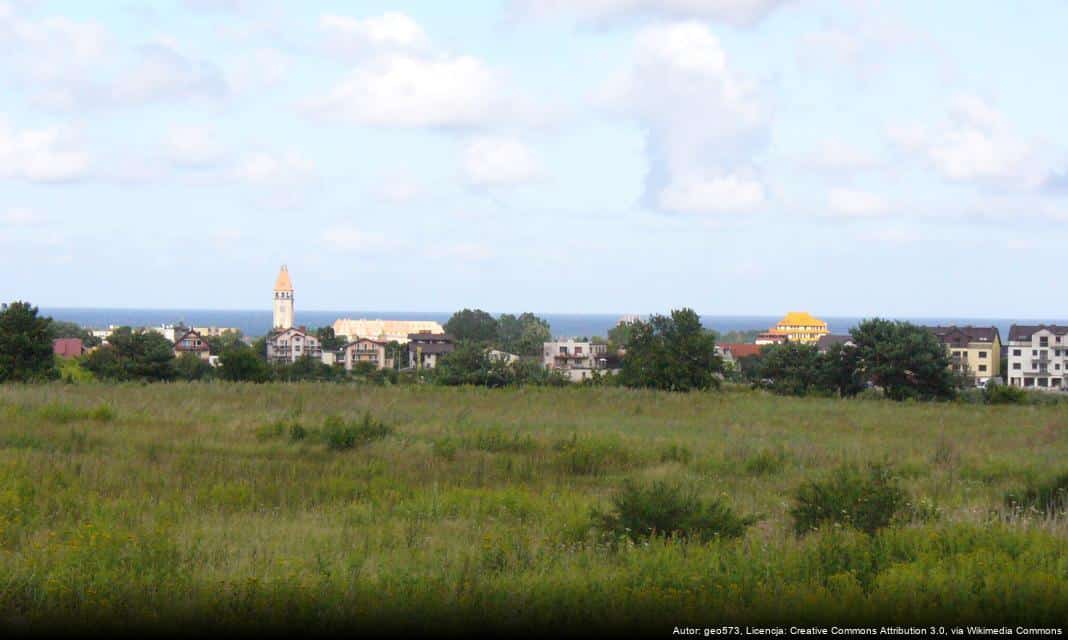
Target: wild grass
(225,505)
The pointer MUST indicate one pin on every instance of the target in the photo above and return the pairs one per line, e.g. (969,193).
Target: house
(769,337)
(285,346)
(384,330)
(797,326)
(68,347)
(365,350)
(974,352)
(426,348)
(732,352)
(578,360)
(496,355)
(192,342)
(831,339)
(215,332)
(1037,356)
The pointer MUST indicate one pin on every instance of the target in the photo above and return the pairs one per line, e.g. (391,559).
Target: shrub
(664,509)
(297,432)
(866,501)
(766,463)
(1049,498)
(340,435)
(1004,394)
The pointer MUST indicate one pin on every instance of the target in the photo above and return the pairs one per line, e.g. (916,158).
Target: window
(563,351)
(982,354)
(578,351)
(1015,365)
(1015,352)
(1043,342)
(982,368)
(1043,382)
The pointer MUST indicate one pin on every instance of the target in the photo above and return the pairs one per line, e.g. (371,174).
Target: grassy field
(186,504)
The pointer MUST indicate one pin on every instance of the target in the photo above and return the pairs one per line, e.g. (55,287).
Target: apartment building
(426,348)
(796,326)
(577,359)
(292,344)
(365,350)
(1037,356)
(974,352)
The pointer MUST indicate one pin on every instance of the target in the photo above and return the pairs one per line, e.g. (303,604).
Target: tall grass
(226,505)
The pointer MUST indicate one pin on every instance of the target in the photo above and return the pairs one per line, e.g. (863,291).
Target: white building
(384,330)
(289,345)
(1037,356)
(576,359)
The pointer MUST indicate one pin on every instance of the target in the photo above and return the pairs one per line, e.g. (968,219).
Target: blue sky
(735,156)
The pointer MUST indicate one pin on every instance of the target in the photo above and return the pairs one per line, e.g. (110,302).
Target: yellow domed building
(797,326)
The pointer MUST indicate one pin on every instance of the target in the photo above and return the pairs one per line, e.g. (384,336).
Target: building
(365,350)
(578,360)
(496,355)
(215,332)
(425,349)
(1037,356)
(831,339)
(68,347)
(286,346)
(974,352)
(284,312)
(384,330)
(797,326)
(192,342)
(732,352)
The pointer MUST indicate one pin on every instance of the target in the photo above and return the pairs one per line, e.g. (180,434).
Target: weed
(669,510)
(866,501)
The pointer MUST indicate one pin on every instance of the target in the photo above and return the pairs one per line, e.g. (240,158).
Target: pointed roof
(283,283)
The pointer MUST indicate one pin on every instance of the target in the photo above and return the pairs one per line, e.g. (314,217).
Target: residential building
(797,326)
(68,347)
(974,352)
(496,355)
(732,352)
(284,313)
(169,331)
(286,346)
(192,342)
(426,348)
(215,332)
(769,337)
(384,330)
(1037,356)
(365,350)
(578,360)
(831,339)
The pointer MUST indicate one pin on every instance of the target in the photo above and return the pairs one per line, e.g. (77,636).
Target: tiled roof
(1018,332)
(741,350)
(801,319)
(831,339)
(283,283)
(961,336)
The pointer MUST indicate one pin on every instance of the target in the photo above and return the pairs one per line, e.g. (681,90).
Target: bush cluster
(669,510)
(866,500)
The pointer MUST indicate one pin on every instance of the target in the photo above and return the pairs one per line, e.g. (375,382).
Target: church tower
(283,300)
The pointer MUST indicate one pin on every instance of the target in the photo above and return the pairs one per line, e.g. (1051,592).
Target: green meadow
(447,509)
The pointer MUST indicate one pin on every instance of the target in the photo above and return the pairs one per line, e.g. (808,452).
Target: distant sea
(258,322)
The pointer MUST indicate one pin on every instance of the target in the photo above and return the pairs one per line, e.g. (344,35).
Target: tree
(793,368)
(220,343)
(906,360)
(523,335)
(25,345)
(64,329)
(619,335)
(241,364)
(135,355)
(328,341)
(673,352)
(190,366)
(472,325)
(470,364)
(840,370)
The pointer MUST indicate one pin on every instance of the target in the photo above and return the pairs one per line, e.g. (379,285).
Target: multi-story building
(365,350)
(192,342)
(974,352)
(577,359)
(384,330)
(425,349)
(1037,356)
(797,326)
(286,346)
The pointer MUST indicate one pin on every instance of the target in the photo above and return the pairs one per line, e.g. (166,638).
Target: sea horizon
(257,322)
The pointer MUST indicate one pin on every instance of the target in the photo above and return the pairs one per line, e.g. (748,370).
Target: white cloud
(42,155)
(737,12)
(273,169)
(398,189)
(975,144)
(410,91)
(837,155)
(163,73)
(352,239)
(854,203)
(258,69)
(192,146)
(495,161)
(464,252)
(718,194)
(20,217)
(391,30)
(703,120)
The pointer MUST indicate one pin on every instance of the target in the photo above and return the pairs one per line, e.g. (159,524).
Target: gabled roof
(740,350)
(956,336)
(203,343)
(433,337)
(831,339)
(283,283)
(1020,332)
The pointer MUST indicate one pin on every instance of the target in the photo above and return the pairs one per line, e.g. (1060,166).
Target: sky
(850,158)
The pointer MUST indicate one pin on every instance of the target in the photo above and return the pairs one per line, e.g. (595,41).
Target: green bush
(663,509)
(1049,498)
(340,435)
(850,497)
(1004,394)
(766,463)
